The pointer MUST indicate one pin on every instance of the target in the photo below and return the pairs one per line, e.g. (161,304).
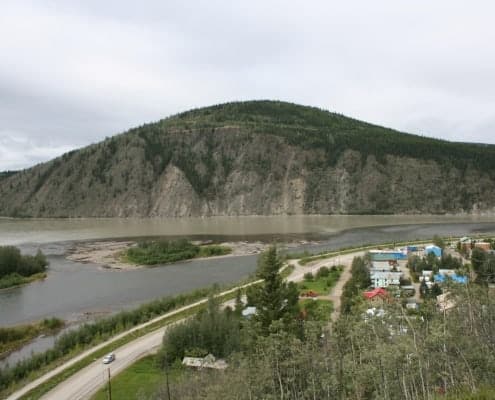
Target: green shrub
(308,276)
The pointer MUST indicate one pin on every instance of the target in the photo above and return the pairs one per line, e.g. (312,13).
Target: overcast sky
(73,72)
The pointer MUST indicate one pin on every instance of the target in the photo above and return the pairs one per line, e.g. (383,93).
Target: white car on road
(108,358)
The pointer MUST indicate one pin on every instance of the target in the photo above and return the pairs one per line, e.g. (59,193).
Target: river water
(75,291)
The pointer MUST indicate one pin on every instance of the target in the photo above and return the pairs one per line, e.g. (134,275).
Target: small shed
(248,312)
(437,251)
(205,362)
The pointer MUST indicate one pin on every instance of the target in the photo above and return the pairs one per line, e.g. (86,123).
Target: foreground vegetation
(169,251)
(278,354)
(17,269)
(12,338)
(396,356)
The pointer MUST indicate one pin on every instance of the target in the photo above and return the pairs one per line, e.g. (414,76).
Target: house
(437,251)
(248,312)
(375,312)
(377,296)
(381,279)
(443,274)
(383,265)
(483,246)
(426,275)
(387,255)
(204,362)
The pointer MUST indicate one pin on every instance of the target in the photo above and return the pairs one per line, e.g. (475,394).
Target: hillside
(256,158)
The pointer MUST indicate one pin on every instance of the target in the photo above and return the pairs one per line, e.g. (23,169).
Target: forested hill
(256,158)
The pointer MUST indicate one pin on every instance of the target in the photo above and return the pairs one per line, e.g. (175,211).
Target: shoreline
(27,280)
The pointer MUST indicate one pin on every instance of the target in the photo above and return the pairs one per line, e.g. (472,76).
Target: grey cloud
(75,72)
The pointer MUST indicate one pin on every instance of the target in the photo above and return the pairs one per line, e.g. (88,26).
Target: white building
(385,279)
(381,266)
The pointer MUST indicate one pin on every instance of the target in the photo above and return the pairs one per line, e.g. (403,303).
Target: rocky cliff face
(163,171)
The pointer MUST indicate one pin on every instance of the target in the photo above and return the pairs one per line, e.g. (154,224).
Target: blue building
(437,251)
(387,255)
(441,278)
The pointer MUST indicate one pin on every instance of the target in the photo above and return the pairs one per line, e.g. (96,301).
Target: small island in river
(136,254)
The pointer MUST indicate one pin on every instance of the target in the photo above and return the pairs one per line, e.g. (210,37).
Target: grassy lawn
(316,309)
(322,282)
(140,380)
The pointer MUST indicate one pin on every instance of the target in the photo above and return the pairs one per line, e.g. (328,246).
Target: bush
(169,251)
(13,263)
(308,276)
(214,250)
(323,272)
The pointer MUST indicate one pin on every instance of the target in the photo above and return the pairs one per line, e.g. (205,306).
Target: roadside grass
(140,380)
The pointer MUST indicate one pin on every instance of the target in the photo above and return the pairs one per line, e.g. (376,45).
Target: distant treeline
(314,128)
(6,174)
(306,127)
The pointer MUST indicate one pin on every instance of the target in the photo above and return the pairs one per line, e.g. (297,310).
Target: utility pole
(168,387)
(109,386)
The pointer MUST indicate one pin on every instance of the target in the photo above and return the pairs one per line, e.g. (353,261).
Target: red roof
(376,292)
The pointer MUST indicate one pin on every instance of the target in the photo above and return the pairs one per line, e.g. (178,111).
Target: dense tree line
(311,127)
(483,265)
(13,262)
(354,287)
(306,127)
(212,331)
